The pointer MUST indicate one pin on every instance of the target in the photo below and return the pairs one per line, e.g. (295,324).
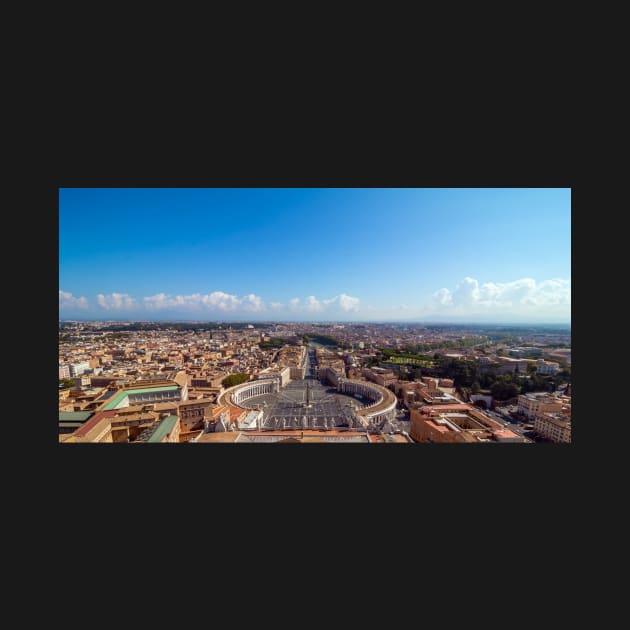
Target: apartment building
(76,369)
(532,405)
(547,367)
(554,426)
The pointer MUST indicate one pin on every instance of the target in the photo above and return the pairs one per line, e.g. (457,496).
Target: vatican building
(321,399)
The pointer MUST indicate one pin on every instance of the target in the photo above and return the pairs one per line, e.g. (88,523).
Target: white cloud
(158,301)
(116,301)
(253,303)
(466,293)
(312,304)
(443,297)
(340,303)
(67,301)
(348,303)
(520,296)
(215,301)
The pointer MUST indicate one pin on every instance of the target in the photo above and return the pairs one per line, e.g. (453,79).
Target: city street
(509,423)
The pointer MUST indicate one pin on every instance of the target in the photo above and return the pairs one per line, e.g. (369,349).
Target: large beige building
(291,356)
(533,404)
(554,426)
(547,367)
(380,376)
(117,426)
(512,366)
(195,414)
(282,374)
(457,423)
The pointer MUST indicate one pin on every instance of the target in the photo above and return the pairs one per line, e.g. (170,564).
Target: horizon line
(322,321)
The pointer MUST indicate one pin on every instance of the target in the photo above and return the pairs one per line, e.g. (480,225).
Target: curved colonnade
(381,406)
(238,394)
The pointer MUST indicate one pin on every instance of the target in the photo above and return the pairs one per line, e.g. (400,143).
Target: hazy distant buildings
(523,351)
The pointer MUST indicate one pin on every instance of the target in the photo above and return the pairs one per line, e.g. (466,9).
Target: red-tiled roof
(445,408)
(441,428)
(505,433)
(92,422)
(217,411)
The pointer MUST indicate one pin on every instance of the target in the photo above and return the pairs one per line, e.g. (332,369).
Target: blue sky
(354,254)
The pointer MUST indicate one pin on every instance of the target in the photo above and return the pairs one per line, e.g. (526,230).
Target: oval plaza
(324,399)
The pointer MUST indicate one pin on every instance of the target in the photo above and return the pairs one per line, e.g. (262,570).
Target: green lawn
(410,361)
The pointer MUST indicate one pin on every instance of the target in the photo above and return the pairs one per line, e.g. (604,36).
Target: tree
(235,379)
(502,390)
(271,343)
(66,382)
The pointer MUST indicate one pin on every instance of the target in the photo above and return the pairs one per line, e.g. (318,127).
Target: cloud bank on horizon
(524,295)
(68,302)
(524,299)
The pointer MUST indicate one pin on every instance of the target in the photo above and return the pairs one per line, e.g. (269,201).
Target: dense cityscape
(261,382)
(314,315)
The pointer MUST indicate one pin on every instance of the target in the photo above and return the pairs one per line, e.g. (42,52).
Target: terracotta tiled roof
(92,422)
(221,437)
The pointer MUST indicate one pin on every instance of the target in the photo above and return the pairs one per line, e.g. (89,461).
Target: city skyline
(460,255)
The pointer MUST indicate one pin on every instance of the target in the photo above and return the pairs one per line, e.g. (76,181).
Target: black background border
(440,149)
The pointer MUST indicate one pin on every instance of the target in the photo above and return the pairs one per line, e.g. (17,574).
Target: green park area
(271,343)
(409,360)
(235,379)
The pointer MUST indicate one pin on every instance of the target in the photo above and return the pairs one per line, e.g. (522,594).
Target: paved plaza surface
(246,438)
(287,408)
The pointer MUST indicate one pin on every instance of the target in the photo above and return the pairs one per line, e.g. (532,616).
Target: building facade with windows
(531,405)
(555,427)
